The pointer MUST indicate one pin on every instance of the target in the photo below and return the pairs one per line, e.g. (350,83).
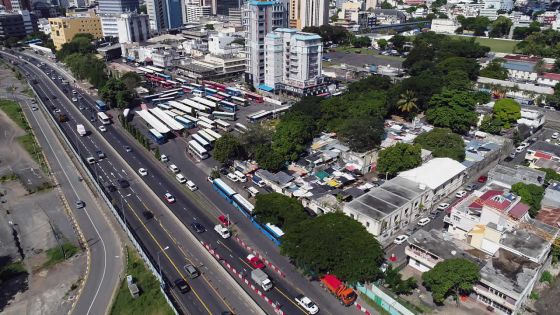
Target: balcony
(421,256)
(486,292)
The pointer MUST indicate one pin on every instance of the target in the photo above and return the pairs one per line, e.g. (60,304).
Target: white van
(253,191)
(191,185)
(174,168)
(242,178)
(180,178)
(223,231)
(232,177)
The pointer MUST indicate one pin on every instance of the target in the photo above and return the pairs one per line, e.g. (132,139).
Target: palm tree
(407,102)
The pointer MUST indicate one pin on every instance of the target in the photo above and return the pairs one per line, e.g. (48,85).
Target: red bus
(254,97)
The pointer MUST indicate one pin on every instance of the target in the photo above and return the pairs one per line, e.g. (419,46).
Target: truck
(346,295)
(61,117)
(261,278)
(81,130)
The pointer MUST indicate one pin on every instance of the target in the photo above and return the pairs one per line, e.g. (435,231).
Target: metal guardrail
(132,238)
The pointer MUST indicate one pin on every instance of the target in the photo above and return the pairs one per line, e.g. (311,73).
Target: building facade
(133,27)
(165,14)
(305,13)
(63,29)
(109,12)
(17,24)
(223,6)
(292,59)
(259,19)
(195,12)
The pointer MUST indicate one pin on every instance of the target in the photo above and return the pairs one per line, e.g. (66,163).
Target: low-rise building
(63,29)
(444,26)
(543,150)
(508,176)
(532,118)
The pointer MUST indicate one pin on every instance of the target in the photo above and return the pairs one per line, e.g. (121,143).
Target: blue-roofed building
(293,62)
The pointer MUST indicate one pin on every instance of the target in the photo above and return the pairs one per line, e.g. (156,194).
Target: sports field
(496,45)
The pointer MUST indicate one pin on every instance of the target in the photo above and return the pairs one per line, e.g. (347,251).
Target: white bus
(197,150)
(212,133)
(241,128)
(222,125)
(203,124)
(170,113)
(224,115)
(103,118)
(206,136)
(191,118)
(205,144)
(206,120)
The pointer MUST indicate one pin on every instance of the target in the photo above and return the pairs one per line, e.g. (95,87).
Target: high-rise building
(110,10)
(260,17)
(221,7)
(195,12)
(17,24)
(305,13)
(133,27)
(292,61)
(165,14)
(63,29)
(21,5)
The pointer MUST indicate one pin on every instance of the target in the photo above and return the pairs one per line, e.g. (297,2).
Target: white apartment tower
(292,60)
(260,18)
(133,27)
(305,13)
(195,12)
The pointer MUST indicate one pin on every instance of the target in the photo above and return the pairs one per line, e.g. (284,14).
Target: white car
(102,128)
(143,171)
(174,168)
(191,185)
(164,158)
(74,99)
(400,239)
(460,194)
(519,149)
(555,135)
(307,304)
(442,206)
(424,221)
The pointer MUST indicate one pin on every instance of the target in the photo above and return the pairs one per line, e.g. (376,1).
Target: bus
(206,136)
(203,114)
(239,100)
(155,69)
(163,106)
(203,124)
(197,150)
(222,125)
(204,102)
(101,106)
(156,136)
(213,134)
(151,97)
(224,115)
(243,204)
(170,113)
(228,106)
(170,94)
(197,92)
(195,105)
(254,97)
(213,98)
(181,80)
(173,83)
(262,114)
(191,118)
(207,120)
(178,112)
(203,143)
(278,111)
(165,76)
(146,70)
(233,91)
(196,86)
(210,91)
(185,122)
(324,95)
(186,89)
(224,95)
(103,118)
(162,99)
(241,128)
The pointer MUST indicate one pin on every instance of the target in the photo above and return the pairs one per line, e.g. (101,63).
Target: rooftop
(385,199)
(546,147)
(550,216)
(437,244)
(509,271)
(551,76)
(435,172)
(525,242)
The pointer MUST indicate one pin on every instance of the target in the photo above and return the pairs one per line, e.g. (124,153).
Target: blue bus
(185,122)
(228,106)
(223,188)
(157,137)
(101,106)
(163,75)
(210,91)
(233,91)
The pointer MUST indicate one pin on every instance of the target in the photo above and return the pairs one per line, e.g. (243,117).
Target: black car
(64,91)
(197,227)
(123,183)
(182,285)
(111,187)
(148,214)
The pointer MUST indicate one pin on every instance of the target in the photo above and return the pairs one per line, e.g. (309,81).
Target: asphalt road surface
(164,240)
(104,244)
(204,206)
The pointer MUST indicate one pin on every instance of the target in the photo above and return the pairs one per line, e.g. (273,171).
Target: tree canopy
(507,110)
(322,245)
(540,43)
(500,27)
(531,195)
(443,143)
(478,25)
(451,277)
(280,210)
(453,110)
(495,70)
(116,94)
(397,158)
(228,147)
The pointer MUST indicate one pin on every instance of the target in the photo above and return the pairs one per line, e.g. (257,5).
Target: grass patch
(495,44)
(364,51)
(8,177)
(372,303)
(58,254)
(12,270)
(14,111)
(150,300)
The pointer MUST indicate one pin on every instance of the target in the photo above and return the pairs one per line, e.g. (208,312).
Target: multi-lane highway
(162,236)
(203,206)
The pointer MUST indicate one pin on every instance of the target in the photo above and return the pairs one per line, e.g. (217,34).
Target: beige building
(305,13)
(63,29)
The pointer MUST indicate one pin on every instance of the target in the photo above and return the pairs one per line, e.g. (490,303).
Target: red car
(482,179)
(255,261)
(224,221)
(169,198)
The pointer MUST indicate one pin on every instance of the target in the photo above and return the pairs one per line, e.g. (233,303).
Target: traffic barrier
(362,309)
